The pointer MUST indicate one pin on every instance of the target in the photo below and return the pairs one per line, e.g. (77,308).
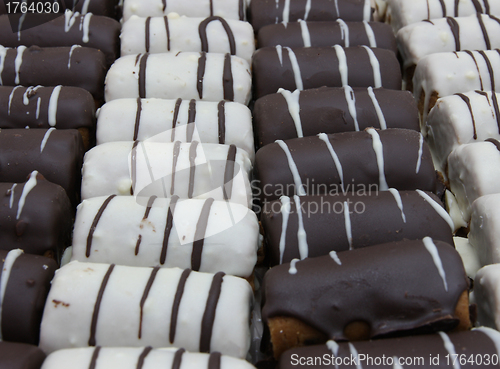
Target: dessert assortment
(186,188)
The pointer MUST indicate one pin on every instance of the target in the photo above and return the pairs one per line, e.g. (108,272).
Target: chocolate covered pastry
(55,153)
(60,107)
(20,355)
(440,350)
(484,230)
(25,283)
(220,122)
(263,12)
(328,34)
(88,305)
(331,110)
(370,160)
(195,234)
(96,7)
(180,33)
(185,75)
(52,66)
(347,222)
(131,358)
(311,67)
(400,287)
(35,216)
(487,295)
(188,170)
(97,32)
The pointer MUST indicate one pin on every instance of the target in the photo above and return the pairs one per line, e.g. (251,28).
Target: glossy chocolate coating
(75,108)
(44,224)
(50,67)
(97,7)
(25,295)
(326,110)
(327,34)
(475,343)
(319,66)
(374,219)
(264,12)
(393,287)
(103,33)
(60,161)
(20,356)
(316,167)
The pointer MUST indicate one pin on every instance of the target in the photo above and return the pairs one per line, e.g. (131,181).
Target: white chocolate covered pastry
(487,295)
(195,234)
(143,357)
(119,306)
(228,9)
(185,75)
(188,170)
(220,122)
(180,33)
(461,119)
(484,233)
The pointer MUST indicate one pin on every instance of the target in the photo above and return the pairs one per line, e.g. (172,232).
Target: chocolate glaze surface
(393,287)
(328,110)
(20,355)
(274,68)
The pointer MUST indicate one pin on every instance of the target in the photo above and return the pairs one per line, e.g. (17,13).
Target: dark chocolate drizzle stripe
(178,359)
(492,81)
(177,150)
(137,118)
(202,30)
(492,17)
(484,31)
(192,167)
(95,222)
(467,101)
(207,322)
(138,245)
(144,353)
(227,188)
(191,119)
(477,67)
(145,296)
(199,235)
(137,58)
(133,166)
(428,21)
(214,360)
(177,301)
(146,214)
(227,79)
(457,3)
(202,61)
(211,8)
(428,10)
(178,103)
(164,2)
(496,108)
(168,228)
(455,30)
(443,7)
(241,10)
(486,7)
(97,306)
(167,30)
(478,7)
(142,75)
(147,32)
(221,114)
(494,142)
(95,355)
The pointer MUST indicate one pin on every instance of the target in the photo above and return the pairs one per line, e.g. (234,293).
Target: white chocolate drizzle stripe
(432,249)
(377,76)
(86,27)
(292,100)
(29,91)
(11,96)
(293,168)
(4,278)
(29,185)
(420,153)
(45,138)
(334,348)
(344,31)
(3,54)
(85,6)
(69,19)
(38,102)
(295,68)
(335,257)
(397,197)
(379,153)
(348,227)
(350,99)
(279,51)
(396,365)
(493,335)
(20,24)
(367,10)
(323,137)
(306,37)
(301,233)
(378,109)
(52,110)
(308,9)
(285,214)
(343,70)
(11,200)
(71,53)
(448,345)
(286,12)
(438,208)
(354,353)
(18,62)
(371,35)
(293,268)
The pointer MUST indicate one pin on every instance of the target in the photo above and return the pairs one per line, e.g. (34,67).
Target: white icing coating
(378,109)
(29,90)
(285,215)
(52,109)
(296,69)
(484,233)
(286,12)
(18,62)
(29,185)
(292,101)
(353,350)
(450,347)
(350,98)
(335,257)
(279,51)
(11,200)
(487,297)
(301,233)
(293,268)
(377,76)
(438,208)
(343,70)
(86,27)
(3,53)
(371,35)
(348,227)
(420,152)
(38,102)
(379,152)
(344,31)
(432,249)
(11,96)
(69,19)
(308,9)
(4,277)
(46,138)
(397,197)
(71,53)
(293,168)
(306,37)
(324,137)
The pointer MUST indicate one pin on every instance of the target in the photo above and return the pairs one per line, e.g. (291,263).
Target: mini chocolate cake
(331,110)
(97,7)
(311,67)
(56,154)
(20,355)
